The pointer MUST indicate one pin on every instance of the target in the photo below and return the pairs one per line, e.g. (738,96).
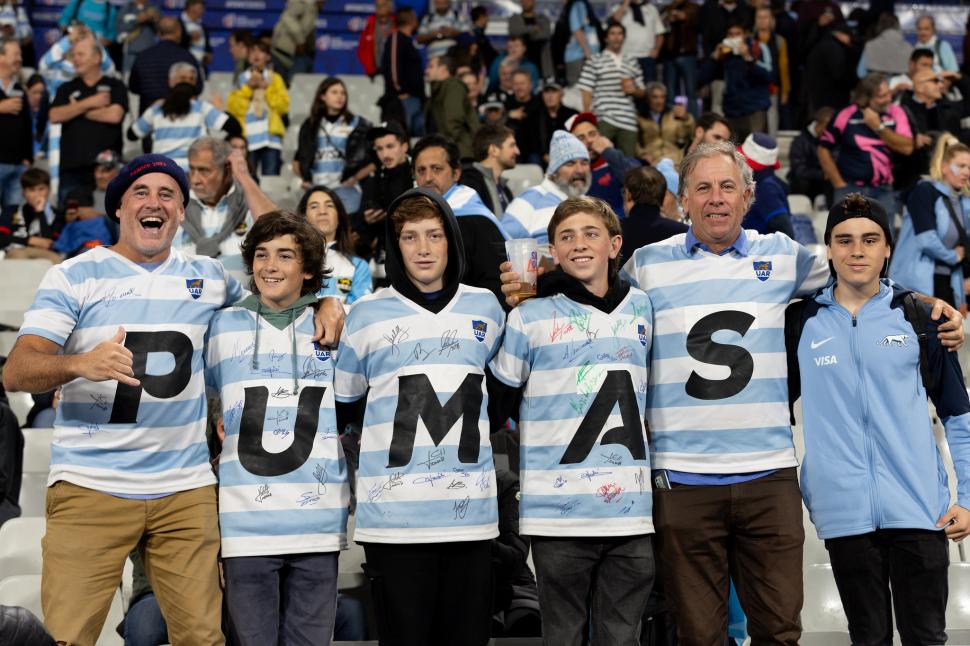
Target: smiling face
(149,215)
(716,200)
(278,271)
(424,251)
(583,247)
(858,250)
(321,212)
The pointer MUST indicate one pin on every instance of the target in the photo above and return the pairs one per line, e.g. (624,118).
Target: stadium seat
(33,495)
(800,204)
(522,177)
(958,607)
(363,94)
(20,551)
(19,294)
(7,339)
(814,550)
(218,84)
(822,610)
(784,139)
(20,404)
(37,449)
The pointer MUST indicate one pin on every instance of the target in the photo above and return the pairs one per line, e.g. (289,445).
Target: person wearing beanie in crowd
(567,175)
(129,460)
(769,212)
(607,164)
(864,354)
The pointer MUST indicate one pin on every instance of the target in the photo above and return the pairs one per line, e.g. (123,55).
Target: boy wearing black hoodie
(426,492)
(284,491)
(581,350)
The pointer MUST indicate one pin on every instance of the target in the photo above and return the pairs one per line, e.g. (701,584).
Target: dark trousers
(596,587)
(749,532)
(267,161)
(912,564)
(286,599)
(70,179)
(431,594)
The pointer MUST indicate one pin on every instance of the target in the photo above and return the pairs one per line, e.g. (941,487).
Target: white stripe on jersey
(602,75)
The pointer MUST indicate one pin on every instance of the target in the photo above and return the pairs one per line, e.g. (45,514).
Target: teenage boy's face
(390,151)
(278,271)
(858,250)
(424,249)
(583,248)
(36,196)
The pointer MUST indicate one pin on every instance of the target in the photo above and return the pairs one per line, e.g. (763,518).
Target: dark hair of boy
(189,3)
(614,24)
(450,60)
(437,141)
(477,12)
(490,134)
(405,15)
(415,209)
(709,119)
(920,53)
(645,185)
(34,177)
(594,206)
(312,247)
(261,45)
(345,243)
(243,36)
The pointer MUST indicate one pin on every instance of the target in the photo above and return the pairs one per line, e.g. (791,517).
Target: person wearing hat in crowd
(106,167)
(769,212)
(608,164)
(865,355)
(539,124)
(491,110)
(645,191)
(567,175)
(132,469)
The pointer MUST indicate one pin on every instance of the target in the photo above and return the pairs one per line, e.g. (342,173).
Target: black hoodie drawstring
(255,364)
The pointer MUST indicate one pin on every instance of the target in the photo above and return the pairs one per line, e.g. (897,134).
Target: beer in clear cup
(523,253)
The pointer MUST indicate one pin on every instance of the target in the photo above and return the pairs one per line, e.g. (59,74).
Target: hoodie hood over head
(394,264)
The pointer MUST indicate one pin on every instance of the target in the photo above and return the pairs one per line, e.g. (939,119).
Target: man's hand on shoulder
(950,332)
(328,322)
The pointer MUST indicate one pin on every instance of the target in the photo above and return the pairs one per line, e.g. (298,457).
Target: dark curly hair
(345,243)
(313,249)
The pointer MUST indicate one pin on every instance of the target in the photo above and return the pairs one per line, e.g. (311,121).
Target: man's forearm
(37,372)
(110,114)
(258,202)
(829,169)
(897,143)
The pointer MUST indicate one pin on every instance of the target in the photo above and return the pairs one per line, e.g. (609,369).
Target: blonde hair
(947,147)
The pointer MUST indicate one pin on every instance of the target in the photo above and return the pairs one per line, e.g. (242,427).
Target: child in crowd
(349,275)
(426,492)
(31,230)
(581,350)
(283,485)
(259,103)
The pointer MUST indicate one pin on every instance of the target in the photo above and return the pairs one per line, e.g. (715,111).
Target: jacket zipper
(873,502)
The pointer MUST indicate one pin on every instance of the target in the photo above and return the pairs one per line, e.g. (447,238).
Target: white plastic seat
(21,279)
(800,204)
(822,610)
(37,449)
(33,495)
(958,606)
(20,551)
(814,550)
(20,404)
(522,177)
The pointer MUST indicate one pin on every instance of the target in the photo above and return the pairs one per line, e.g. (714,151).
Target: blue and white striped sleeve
(512,364)
(361,284)
(55,310)
(145,124)
(213,117)
(349,378)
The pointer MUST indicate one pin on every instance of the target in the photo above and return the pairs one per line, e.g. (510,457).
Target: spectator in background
(38,103)
(240,40)
(333,148)
(90,110)
(97,15)
(106,167)
(926,38)
(495,152)
(829,70)
(663,132)
(805,176)
(379,26)
(449,112)
(608,165)
(391,178)
(440,27)
(919,59)
(149,74)
(584,39)
(931,115)
(84,227)
(711,128)
(717,16)
(865,133)
(514,59)
(136,28)
(294,39)
(780,88)
(522,102)
(644,192)
(535,31)
(15,24)
(402,69)
(609,83)
(679,51)
(769,212)
(670,207)
(485,50)
(259,103)
(747,79)
(31,230)
(17,152)
(56,66)
(966,47)
(195,36)
(887,52)
(472,82)
(540,124)
(644,34)
(180,118)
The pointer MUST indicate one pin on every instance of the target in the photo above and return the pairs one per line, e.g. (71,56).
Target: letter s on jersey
(703,348)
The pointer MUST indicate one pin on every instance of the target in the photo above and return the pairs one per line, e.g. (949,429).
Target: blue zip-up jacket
(871,460)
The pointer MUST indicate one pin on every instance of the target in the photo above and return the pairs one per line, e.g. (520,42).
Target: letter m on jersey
(418,399)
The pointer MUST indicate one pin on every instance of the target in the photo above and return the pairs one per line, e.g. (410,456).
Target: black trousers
(431,594)
(893,569)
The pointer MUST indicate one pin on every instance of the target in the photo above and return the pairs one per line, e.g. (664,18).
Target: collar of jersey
(739,246)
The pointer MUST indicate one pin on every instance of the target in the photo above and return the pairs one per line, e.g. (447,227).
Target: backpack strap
(915,313)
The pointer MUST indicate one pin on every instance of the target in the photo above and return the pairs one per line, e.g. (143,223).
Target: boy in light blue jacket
(866,355)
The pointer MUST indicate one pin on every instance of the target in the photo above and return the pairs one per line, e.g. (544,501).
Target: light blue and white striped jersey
(283,481)
(15,18)
(258,135)
(328,163)
(349,278)
(57,69)
(465,201)
(173,136)
(585,470)
(718,396)
(124,439)
(426,473)
(230,250)
(196,33)
(528,215)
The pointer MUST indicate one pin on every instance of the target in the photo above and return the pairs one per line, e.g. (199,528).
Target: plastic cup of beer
(523,253)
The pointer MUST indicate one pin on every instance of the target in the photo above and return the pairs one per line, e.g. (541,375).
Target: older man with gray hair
(224,200)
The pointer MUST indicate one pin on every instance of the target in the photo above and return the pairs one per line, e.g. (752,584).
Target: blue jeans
(10,192)
(286,599)
(682,68)
(649,66)
(351,619)
(144,624)
(882,194)
(414,116)
(267,161)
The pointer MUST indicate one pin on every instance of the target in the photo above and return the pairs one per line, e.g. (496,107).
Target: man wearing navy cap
(121,331)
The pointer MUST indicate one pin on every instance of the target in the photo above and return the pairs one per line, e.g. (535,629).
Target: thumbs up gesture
(110,359)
